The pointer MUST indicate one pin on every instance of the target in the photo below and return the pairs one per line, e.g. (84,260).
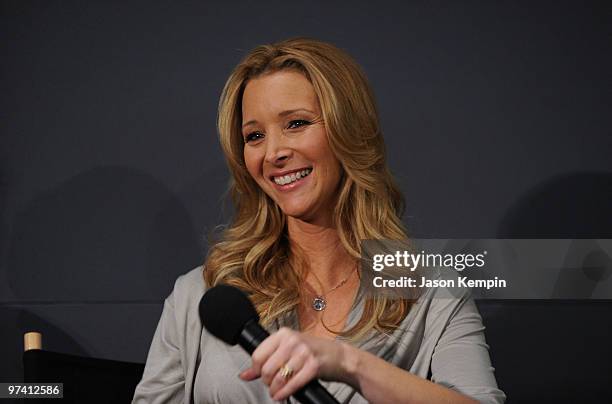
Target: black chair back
(86,380)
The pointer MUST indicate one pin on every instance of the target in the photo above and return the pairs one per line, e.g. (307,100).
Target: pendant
(319,303)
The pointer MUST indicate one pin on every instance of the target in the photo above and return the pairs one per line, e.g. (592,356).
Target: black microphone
(228,314)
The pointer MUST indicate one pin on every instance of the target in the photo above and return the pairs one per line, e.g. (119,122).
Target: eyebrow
(280,114)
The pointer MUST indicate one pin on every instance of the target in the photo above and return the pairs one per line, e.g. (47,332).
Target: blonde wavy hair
(253,252)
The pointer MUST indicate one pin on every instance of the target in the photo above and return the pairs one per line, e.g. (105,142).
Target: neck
(327,260)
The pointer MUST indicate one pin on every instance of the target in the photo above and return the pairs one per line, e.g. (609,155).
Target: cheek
(253,163)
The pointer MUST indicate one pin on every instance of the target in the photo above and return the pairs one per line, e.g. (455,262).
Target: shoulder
(441,303)
(190,283)
(186,294)
(444,288)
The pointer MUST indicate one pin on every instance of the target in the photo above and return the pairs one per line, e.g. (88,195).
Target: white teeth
(287,179)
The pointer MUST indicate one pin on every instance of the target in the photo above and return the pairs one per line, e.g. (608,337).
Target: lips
(291,177)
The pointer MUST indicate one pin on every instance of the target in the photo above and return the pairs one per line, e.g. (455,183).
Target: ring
(286,372)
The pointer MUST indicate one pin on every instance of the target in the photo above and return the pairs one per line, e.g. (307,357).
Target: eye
(298,123)
(253,136)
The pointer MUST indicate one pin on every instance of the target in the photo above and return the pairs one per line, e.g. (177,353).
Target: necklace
(319,303)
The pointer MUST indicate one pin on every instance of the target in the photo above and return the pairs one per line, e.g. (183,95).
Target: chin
(295,213)
(306,215)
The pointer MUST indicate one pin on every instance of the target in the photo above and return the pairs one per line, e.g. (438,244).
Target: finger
(295,363)
(264,351)
(307,373)
(248,375)
(280,357)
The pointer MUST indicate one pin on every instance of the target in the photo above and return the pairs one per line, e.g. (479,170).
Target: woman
(299,128)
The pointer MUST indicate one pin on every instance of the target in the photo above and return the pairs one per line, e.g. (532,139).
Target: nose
(277,151)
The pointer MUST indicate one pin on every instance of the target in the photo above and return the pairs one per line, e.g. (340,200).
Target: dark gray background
(496,117)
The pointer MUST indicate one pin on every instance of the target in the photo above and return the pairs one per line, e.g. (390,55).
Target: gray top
(441,338)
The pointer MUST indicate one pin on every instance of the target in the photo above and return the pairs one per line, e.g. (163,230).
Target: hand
(309,357)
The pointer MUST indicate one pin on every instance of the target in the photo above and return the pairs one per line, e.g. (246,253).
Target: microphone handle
(253,334)
(314,393)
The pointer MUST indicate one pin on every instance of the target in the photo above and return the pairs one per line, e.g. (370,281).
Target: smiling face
(286,149)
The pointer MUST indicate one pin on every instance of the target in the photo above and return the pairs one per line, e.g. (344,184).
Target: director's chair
(86,380)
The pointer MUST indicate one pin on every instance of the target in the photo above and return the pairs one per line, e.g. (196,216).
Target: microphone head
(224,311)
